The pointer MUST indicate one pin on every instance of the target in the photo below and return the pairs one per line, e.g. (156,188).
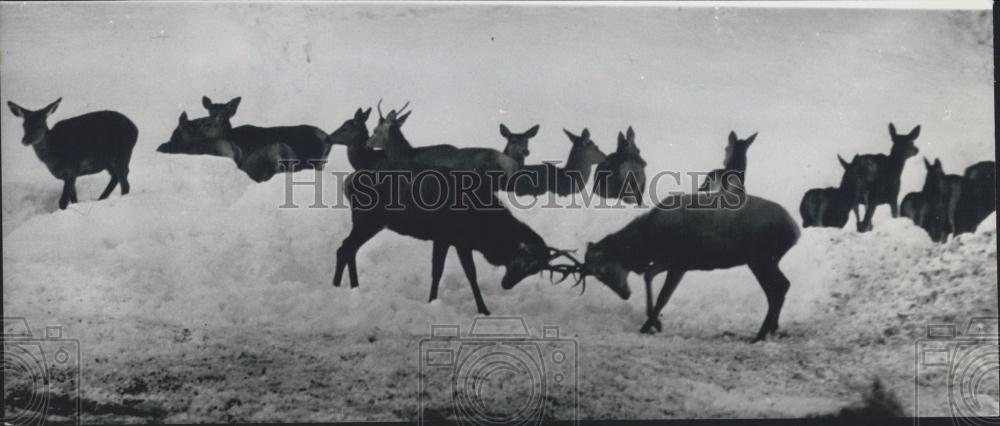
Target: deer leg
(669,285)
(894,208)
(361,232)
(775,286)
(111,186)
(465,257)
(650,274)
(437,267)
(68,187)
(866,224)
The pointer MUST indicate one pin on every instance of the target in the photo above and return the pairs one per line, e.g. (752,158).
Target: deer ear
(184,118)
(585,134)
(892,129)
(915,132)
(843,163)
(937,164)
(531,132)
(504,131)
(927,164)
(206,102)
(630,134)
(732,137)
(750,139)
(621,139)
(51,108)
(402,118)
(16,109)
(232,105)
(368,112)
(571,136)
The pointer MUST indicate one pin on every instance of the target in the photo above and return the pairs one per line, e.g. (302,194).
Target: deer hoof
(484,311)
(647,328)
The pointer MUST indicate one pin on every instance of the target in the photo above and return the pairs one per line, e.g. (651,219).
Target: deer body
(979,195)
(676,238)
(489,229)
(622,175)
(914,207)
(830,207)
(258,151)
(879,176)
(81,145)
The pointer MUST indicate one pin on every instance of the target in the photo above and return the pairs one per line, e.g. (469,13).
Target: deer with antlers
(681,235)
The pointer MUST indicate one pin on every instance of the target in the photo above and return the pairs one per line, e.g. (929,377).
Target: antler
(379,107)
(578,268)
(404,107)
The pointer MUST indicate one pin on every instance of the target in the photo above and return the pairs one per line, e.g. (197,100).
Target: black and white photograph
(498,212)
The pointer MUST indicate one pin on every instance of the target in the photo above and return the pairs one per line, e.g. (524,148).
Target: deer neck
(626,246)
(576,162)
(738,162)
(397,146)
(43,148)
(897,159)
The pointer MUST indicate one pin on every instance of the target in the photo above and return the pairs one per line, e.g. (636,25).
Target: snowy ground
(197,299)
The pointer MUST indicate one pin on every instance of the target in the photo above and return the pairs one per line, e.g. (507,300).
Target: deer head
(221,113)
(606,268)
(517,143)
(35,123)
(353,130)
(198,136)
(626,143)
(934,183)
(533,256)
(584,152)
(736,150)
(903,145)
(387,126)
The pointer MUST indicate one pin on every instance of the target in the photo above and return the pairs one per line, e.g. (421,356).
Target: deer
(82,145)
(490,229)
(517,143)
(622,175)
(354,135)
(942,195)
(831,206)
(388,137)
(681,234)
(732,177)
(537,179)
(879,176)
(261,152)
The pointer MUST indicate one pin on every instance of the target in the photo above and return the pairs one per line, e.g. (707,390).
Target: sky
(813,82)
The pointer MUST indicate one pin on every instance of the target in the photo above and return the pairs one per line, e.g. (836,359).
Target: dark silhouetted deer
(679,236)
(261,152)
(537,179)
(830,207)
(81,145)
(622,175)
(732,177)
(879,176)
(388,136)
(942,194)
(354,134)
(517,143)
(426,208)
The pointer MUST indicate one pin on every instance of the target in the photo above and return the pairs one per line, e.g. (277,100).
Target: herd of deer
(680,235)
(947,204)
